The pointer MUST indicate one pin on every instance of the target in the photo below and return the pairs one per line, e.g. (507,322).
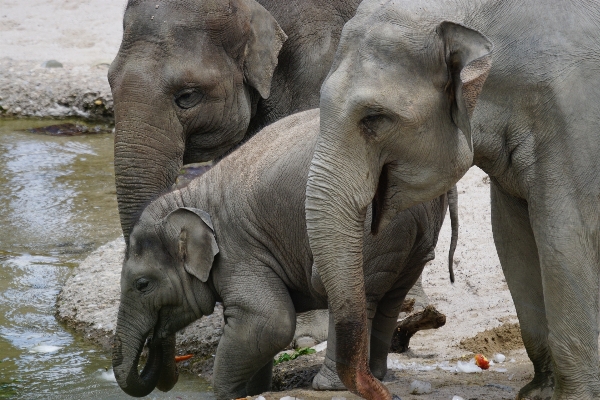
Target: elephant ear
(262,48)
(468,56)
(192,240)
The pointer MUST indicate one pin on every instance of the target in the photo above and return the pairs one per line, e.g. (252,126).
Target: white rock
(260,398)
(467,367)
(420,387)
(457,398)
(499,358)
(320,347)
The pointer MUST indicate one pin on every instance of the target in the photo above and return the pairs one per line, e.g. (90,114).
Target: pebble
(499,358)
(52,64)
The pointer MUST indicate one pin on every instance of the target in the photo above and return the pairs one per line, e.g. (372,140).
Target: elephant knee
(279,328)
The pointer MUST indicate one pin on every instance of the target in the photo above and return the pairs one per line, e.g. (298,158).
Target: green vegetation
(289,357)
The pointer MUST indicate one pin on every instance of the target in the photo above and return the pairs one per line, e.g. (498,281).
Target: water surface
(57,204)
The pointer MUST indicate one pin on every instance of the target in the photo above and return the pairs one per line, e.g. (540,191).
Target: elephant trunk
(127,348)
(342,182)
(168,373)
(148,157)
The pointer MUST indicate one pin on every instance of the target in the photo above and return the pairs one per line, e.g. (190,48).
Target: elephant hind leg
(518,254)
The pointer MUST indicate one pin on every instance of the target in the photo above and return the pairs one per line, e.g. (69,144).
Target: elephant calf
(237,234)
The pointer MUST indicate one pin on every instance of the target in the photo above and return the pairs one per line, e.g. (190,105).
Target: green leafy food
(283,357)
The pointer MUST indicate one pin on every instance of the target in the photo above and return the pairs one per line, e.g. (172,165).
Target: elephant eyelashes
(188,98)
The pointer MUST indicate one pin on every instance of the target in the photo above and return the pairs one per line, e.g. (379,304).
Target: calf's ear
(262,48)
(468,57)
(192,240)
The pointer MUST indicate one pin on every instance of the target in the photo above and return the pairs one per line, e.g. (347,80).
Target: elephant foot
(327,378)
(580,392)
(311,328)
(540,388)
(304,341)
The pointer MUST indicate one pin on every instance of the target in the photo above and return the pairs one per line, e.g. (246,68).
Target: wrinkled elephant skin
(192,78)
(237,234)
(417,93)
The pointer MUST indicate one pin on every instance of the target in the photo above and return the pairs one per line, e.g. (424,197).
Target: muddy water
(57,204)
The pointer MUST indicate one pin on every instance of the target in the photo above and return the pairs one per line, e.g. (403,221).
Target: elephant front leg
(568,245)
(518,254)
(549,253)
(260,323)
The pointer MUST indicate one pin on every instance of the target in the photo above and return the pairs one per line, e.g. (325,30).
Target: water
(57,204)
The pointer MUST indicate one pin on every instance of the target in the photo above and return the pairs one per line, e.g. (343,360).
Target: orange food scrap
(481,361)
(183,358)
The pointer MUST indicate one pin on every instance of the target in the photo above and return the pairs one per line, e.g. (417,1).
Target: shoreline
(30,90)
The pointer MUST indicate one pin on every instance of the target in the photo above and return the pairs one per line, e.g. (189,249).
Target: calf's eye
(142,284)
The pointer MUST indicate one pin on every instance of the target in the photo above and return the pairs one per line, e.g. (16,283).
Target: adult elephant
(399,126)
(194,77)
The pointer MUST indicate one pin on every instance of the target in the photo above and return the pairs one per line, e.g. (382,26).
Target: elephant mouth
(160,370)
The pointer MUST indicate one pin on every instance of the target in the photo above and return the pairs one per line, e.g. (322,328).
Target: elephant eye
(142,284)
(188,98)
(372,123)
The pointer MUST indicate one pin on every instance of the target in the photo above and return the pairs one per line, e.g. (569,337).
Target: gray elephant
(237,234)
(192,78)
(399,126)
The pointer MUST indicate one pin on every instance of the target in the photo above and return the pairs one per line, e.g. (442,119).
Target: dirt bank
(80,38)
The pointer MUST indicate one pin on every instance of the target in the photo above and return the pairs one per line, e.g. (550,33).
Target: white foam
(45,348)
(108,376)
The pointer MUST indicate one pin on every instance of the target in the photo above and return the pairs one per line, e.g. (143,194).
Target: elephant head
(185,83)
(394,132)
(163,288)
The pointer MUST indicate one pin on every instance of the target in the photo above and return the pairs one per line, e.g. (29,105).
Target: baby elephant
(237,234)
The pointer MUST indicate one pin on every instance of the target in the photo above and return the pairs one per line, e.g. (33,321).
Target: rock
(420,387)
(52,64)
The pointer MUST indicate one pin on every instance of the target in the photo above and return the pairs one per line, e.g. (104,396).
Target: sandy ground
(84,35)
